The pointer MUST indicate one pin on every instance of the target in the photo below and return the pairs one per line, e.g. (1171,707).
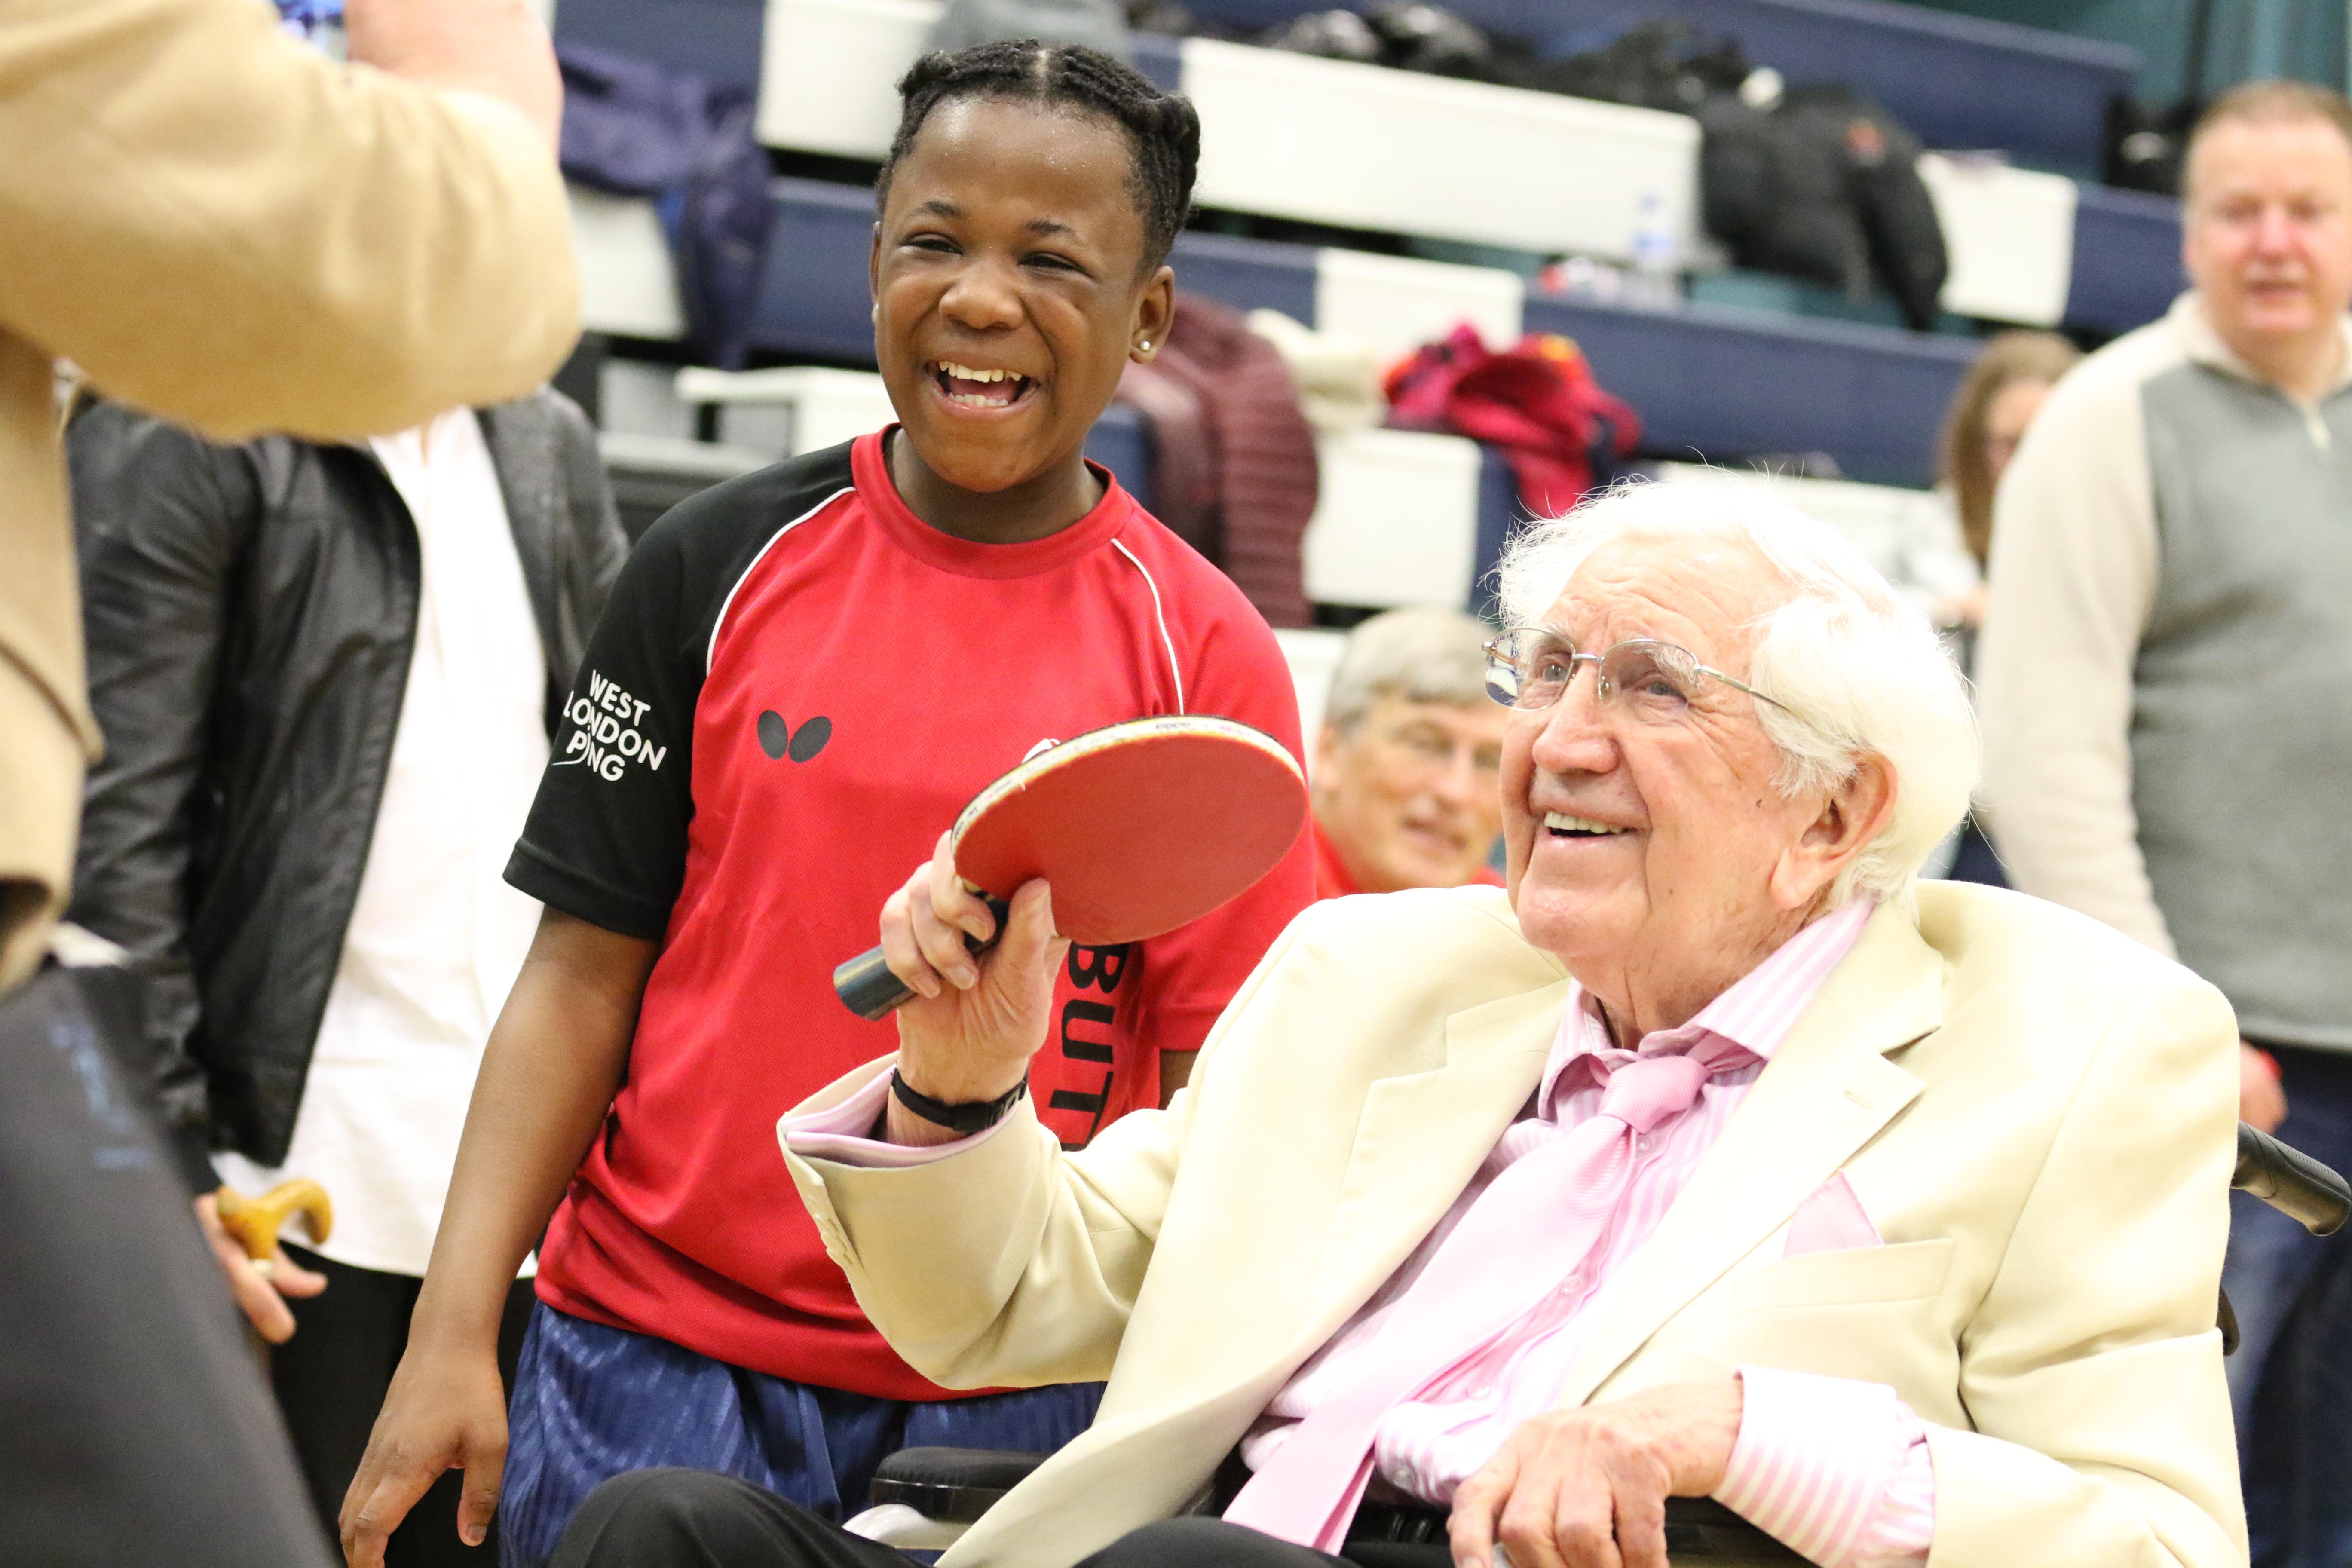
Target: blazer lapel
(1826,1092)
(1418,1139)
(1421,1138)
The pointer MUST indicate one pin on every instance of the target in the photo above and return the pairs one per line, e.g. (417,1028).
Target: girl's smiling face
(1009,289)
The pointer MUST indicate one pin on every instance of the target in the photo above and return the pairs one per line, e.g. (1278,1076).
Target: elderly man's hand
(1588,1487)
(968,1033)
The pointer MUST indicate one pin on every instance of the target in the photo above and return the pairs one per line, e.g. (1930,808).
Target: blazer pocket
(1857,1276)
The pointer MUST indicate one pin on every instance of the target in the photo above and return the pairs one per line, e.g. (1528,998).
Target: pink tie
(1525,1234)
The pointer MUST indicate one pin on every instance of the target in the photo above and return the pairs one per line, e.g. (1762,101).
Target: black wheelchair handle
(2291,1181)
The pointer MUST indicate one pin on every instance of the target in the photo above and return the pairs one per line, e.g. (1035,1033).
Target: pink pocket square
(1831,1220)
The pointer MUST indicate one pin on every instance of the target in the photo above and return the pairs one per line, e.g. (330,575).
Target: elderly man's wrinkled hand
(975,1019)
(1587,1487)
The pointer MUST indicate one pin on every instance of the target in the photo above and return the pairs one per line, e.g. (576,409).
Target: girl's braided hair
(1163,132)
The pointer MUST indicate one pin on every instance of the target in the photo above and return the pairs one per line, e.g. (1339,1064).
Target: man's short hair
(2270,100)
(1419,655)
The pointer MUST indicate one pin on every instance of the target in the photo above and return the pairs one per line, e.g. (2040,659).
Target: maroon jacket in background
(1233,467)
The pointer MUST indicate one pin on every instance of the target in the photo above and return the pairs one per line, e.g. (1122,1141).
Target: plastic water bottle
(1655,282)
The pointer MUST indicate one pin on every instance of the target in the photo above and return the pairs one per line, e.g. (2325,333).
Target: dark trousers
(591,1402)
(134,1425)
(330,1379)
(2291,1381)
(693,1518)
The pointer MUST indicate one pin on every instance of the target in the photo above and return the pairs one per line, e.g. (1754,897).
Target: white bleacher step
(1313,655)
(802,409)
(2010,235)
(1910,536)
(628,285)
(1289,136)
(827,70)
(1366,147)
(1393,304)
(1396,522)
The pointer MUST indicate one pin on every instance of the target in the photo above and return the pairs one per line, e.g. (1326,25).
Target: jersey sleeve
(606,836)
(1191,972)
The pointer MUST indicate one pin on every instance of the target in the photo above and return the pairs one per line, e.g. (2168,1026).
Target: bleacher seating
(1444,160)
(1398,522)
(1358,139)
(1959,82)
(2010,236)
(1725,384)
(1359,147)
(2126,259)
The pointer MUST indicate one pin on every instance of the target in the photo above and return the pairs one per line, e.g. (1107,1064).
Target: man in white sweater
(2167,692)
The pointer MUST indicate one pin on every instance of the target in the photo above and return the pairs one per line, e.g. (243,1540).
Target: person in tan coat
(207,221)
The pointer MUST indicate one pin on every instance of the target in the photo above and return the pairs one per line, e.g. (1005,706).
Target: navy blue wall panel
(2126,259)
(1118,443)
(715,39)
(815,300)
(815,303)
(1499,516)
(1161,60)
(1959,82)
(1247,274)
(1723,385)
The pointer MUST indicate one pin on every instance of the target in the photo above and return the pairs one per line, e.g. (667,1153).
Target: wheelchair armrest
(2291,1181)
(953,1485)
(956,1485)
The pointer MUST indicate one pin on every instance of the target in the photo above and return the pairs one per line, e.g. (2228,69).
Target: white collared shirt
(436,936)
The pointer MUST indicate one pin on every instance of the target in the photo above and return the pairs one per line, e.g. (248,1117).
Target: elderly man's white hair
(1863,670)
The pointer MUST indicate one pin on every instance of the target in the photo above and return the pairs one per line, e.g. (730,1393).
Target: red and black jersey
(797,686)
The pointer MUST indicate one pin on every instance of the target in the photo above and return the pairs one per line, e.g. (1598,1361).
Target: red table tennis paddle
(1141,827)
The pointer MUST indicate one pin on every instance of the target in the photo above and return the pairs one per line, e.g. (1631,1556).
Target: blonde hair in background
(1862,672)
(2271,100)
(2007,358)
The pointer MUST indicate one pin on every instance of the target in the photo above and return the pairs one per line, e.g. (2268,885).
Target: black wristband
(971,1116)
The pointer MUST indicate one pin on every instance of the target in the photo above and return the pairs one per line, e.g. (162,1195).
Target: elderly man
(1406,761)
(2168,724)
(1720,1158)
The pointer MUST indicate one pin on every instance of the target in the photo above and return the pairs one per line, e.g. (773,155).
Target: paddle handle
(867,986)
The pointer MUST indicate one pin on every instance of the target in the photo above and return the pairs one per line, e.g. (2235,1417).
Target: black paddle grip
(868,989)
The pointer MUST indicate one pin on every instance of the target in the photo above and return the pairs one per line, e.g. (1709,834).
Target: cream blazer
(2037,1113)
(221,228)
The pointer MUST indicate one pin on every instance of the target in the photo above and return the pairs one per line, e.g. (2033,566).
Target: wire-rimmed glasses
(1532,667)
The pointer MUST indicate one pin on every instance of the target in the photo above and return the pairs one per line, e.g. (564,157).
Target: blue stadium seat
(718,39)
(1959,82)
(1725,384)
(815,303)
(2126,259)
(1720,382)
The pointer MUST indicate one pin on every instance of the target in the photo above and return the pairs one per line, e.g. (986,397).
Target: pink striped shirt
(1836,1469)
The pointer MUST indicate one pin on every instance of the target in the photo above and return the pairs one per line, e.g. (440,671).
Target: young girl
(802,677)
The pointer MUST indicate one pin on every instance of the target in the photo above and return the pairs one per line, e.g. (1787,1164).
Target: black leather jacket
(250,611)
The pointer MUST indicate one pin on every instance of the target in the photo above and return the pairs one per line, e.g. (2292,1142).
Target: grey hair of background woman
(1422,654)
(1863,670)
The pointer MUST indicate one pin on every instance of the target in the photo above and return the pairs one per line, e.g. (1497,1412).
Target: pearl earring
(1147,345)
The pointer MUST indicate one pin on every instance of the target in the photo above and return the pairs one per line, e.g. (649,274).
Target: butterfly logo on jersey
(780,740)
